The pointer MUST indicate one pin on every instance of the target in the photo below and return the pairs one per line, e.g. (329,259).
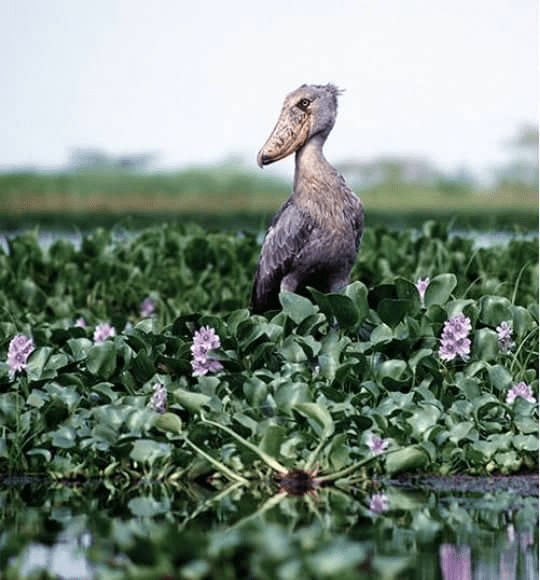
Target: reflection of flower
(454,338)
(103,332)
(204,341)
(421,286)
(376,444)
(147,307)
(520,390)
(455,562)
(378,503)
(19,350)
(158,401)
(504,333)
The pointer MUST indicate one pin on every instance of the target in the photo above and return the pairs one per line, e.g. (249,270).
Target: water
(423,530)
(46,237)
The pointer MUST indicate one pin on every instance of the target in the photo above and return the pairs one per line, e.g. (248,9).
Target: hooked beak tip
(263,160)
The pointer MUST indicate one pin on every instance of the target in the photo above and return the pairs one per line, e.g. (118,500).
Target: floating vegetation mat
(211,432)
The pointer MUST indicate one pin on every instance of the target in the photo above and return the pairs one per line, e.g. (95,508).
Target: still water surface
(422,529)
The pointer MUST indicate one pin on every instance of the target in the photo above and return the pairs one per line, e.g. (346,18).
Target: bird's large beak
(289,134)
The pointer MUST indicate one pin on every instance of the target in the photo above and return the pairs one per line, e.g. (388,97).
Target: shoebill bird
(313,239)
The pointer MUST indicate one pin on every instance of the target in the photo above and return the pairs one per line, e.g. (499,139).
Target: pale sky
(195,82)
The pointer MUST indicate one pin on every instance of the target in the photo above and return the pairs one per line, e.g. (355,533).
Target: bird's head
(308,111)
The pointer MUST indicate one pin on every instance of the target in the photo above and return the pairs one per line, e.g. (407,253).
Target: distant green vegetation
(231,196)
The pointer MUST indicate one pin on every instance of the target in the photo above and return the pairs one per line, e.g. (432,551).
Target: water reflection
(99,529)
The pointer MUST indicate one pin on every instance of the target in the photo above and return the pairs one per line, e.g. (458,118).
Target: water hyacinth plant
(365,383)
(103,331)
(504,334)
(20,348)
(205,340)
(520,390)
(422,285)
(455,339)
(158,402)
(147,307)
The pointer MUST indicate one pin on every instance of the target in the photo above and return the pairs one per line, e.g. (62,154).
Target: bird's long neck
(314,177)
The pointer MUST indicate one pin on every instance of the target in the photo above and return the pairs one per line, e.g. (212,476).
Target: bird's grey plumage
(313,240)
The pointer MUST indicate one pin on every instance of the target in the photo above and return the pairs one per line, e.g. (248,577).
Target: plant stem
(269,460)
(217,464)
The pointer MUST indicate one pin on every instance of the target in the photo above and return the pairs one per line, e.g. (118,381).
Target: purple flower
(19,350)
(80,323)
(454,338)
(421,286)
(204,341)
(379,503)
(103,332)
(158,402)
(504,333)
(376,444)
(147,307)
(520,390)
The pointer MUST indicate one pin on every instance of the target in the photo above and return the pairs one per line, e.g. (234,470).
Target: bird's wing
(287,234)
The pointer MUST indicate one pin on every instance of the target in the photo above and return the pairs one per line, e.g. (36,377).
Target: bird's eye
(303,104)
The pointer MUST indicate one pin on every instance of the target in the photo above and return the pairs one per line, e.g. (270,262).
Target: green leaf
(423,419)
(500,378)
(319,417)
(439,290)
(35,368)
(191,401)
(143,368)
(358,293)
(522,321)
(64,437)
(79,347)
(393,310)
(101,359)
(525,443)
(485,344)
(494,310)
(461,431)
(296,307)
(406,459)
(337,306)
(169,422)
(273,437)
(148,451)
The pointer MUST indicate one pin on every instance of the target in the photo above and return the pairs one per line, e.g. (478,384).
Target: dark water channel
(429,528)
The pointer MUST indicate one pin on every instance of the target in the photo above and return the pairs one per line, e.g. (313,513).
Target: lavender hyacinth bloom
(147,307)
(376,444)
(103,332)
(204,341)
(504,334)
(421,286)
(158,401)
(379,503)
(454,338)
(19,350)
(520,390)
(80,323)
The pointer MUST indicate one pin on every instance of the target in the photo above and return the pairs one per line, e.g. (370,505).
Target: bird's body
(313,240)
